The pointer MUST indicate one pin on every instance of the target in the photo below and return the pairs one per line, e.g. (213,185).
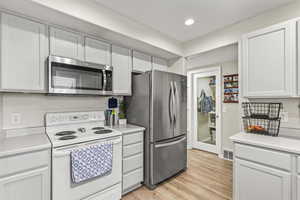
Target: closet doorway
(206,110)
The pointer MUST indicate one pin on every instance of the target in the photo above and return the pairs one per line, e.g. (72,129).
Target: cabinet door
(66,44)
(23,54)
(298,56)
(254,181)
(269,61)
(29,185)
(141,62)
(97,51)
(159,64)
(122,66)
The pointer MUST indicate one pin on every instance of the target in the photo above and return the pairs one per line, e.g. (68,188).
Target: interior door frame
(192,108)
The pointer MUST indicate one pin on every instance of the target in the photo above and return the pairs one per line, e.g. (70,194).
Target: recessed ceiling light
(189,22)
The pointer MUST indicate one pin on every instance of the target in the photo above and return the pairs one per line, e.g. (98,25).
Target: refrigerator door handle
(171,103)
(175,101)
(170,143)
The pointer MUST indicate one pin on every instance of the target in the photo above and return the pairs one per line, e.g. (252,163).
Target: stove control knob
(82,130)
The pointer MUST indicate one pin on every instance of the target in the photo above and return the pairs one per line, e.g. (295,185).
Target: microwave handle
(104,79)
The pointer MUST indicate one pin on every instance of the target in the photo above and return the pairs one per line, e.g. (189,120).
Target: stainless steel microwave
(70,76)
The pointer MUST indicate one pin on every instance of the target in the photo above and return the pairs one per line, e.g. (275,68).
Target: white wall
(231,119)
(231,34)
(33,107)
(177,65)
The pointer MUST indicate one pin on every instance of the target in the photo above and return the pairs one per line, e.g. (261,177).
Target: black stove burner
(63,133)
(98,128)
(68,137)
(104,131)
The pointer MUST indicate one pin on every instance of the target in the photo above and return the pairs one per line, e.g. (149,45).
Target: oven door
(62,185)
(69,76)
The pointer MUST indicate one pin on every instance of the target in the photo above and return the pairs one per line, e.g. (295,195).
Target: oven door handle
(67,151)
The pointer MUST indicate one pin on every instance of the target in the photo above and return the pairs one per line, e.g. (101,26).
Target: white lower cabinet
(262,174)
(259,182)
(28,179)
(133,161)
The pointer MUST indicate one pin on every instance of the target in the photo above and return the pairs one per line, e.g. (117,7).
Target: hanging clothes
(205,103)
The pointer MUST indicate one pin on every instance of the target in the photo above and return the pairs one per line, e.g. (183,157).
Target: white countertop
(23,144)
(17,143)
(129,128)
(278,143)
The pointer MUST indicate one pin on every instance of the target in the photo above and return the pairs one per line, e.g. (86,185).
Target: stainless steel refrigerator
(159,103)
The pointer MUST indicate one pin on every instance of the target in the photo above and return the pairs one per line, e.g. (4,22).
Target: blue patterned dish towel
(91,162)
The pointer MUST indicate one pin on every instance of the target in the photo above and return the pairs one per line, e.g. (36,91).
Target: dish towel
(91,162)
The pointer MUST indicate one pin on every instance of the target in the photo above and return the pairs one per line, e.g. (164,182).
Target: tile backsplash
(31,108)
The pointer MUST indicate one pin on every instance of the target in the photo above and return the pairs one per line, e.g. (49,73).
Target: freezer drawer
(168,159)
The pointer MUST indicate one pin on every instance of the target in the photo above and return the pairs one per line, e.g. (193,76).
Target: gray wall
(227,58)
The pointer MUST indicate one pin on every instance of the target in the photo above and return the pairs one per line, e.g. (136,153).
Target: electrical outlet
(16,118)
(284,116)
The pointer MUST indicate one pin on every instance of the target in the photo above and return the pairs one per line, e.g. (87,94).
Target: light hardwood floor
(207,178)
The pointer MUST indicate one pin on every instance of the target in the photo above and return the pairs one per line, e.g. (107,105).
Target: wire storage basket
(262,118)
(262,110)
(262,126)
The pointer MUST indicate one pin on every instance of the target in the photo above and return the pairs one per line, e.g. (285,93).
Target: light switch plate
(284,116)
(16,118)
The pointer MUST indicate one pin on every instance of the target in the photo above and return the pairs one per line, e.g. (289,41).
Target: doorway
(206,110)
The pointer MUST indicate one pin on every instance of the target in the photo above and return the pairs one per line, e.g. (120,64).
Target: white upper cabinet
(298,56)
(141,62)
(268,61)
(159,64)
(122,68)
(97,51)
(24,51)
(66,44)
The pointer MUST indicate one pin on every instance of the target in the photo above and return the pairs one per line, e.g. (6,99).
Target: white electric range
(74,130)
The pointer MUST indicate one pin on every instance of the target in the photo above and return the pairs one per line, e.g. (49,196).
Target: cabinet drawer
(132,163)
(133,138)
(133,178)
(266,157)
(22,162)
(132,149)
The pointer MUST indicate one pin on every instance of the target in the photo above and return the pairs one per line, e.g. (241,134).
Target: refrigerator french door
(159,104)
(168,127)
